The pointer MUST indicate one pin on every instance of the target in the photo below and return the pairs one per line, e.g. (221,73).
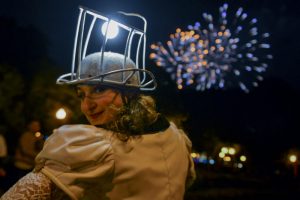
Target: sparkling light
(223,52)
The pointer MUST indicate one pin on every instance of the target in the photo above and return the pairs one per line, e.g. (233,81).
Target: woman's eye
(98,90)
(80,95)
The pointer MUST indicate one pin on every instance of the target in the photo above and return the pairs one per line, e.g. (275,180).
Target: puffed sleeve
(79,160)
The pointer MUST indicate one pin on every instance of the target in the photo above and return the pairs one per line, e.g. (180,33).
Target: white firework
(217,54)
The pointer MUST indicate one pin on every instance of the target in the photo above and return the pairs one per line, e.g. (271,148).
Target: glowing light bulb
(112,29)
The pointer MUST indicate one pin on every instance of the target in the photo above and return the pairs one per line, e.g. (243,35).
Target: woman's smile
(99,105)
(95,115)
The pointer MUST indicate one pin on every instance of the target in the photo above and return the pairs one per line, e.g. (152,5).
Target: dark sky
(57,19)
(269,113)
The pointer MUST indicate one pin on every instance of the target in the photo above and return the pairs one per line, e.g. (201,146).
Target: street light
(61,114)
(294,160)
(37,134)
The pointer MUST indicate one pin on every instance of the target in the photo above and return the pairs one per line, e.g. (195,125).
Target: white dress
(86,162)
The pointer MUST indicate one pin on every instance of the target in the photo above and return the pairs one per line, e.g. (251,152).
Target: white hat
(108,68)
(111,70)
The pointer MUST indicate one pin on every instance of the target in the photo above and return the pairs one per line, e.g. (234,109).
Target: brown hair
(137,113)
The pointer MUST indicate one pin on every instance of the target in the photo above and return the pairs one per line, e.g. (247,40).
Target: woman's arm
(33,186)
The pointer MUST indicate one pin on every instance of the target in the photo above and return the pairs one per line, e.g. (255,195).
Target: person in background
(29,146)
(3,152)
(3,160)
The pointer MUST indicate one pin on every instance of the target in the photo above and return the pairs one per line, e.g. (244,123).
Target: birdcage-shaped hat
(109,52)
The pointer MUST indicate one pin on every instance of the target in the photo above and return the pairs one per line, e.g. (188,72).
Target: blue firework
(216,54)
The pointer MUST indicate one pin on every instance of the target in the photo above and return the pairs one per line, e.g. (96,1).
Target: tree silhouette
(27,80)
(11,92)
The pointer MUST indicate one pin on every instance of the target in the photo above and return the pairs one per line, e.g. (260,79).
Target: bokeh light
(37,134)
(293,158)
(243,158)
(61,114)
(231,151)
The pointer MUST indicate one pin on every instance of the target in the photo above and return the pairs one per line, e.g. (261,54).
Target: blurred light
(227,159)
(61,114)
(113,29)
(224,150)
(293,158)
(221,155)
(243,158)
(37,134)
(240,165)
(194,155)
(211,161)
(202,158)
(231,151)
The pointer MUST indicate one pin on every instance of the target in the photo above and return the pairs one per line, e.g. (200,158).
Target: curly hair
(137,113)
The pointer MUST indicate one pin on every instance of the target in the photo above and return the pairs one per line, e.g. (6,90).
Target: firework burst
(217,54)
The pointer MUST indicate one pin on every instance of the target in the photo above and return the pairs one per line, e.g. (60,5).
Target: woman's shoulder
(77,152)
(79,128)
(79,132)
(72,144)
(78,135)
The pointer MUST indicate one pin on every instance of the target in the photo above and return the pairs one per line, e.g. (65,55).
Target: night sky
(266,119)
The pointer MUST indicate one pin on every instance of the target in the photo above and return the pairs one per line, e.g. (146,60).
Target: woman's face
(98,104)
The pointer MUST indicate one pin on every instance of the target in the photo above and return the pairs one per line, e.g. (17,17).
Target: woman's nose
(89,103)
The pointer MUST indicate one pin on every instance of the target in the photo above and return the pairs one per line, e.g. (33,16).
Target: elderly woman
(130,151)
